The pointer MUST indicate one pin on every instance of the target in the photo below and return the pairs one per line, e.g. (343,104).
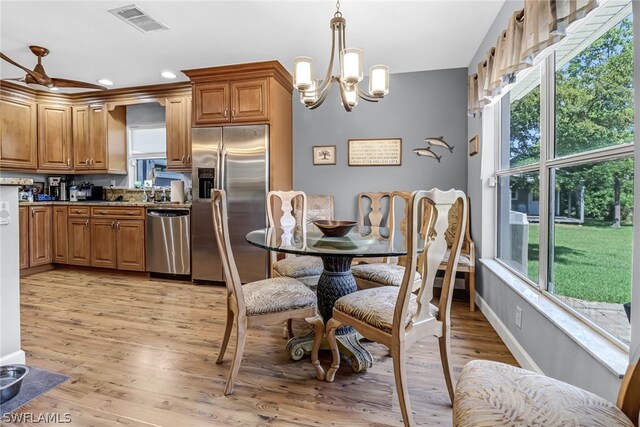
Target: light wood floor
(141,352)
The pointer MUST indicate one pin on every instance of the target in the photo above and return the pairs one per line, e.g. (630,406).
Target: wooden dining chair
(467,260)
(265,302)
(395,316)
(307,269)
(390,271)
(495,394)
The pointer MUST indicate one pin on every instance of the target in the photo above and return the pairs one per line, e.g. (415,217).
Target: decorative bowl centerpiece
(333,228)
(11,377)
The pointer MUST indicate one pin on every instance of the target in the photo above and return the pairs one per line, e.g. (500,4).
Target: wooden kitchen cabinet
(18,133)
(24,236)
(60,235)
(249,101)
(231,101)
(100,140)
(103,243)
(79,238)
(130,244)
(117,241)
(211,103)
(55,151)
(81,149)
(178,121)
(40,235)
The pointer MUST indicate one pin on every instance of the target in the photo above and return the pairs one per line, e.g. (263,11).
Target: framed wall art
(324,154)
(375,152)
(473,145)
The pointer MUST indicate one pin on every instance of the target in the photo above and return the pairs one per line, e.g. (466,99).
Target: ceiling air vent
(138,18)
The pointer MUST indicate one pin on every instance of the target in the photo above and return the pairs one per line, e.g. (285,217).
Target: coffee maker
(58,187)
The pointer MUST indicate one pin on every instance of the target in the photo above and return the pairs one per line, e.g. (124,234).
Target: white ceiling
(88,43)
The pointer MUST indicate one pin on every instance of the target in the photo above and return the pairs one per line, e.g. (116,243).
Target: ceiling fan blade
(41,79)
(76,83)
(17,79)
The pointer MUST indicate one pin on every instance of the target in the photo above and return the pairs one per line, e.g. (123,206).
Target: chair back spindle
(286,217)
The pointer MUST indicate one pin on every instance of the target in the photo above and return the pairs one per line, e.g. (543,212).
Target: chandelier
(313,92)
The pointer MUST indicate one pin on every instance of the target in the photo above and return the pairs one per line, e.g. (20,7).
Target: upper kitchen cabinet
(249,100)
(254,93)
(229,102)
(178,122)
(55,151)
(100,139)
(211,103)
(18,132)
(241,93)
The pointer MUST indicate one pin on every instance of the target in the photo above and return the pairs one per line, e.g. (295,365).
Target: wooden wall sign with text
(375,152)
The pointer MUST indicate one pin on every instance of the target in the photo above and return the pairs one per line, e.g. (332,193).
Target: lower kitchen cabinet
(99,237)
(130,244)
(103,243)
(79,241)
(60,235)
(40,235)
(24,237)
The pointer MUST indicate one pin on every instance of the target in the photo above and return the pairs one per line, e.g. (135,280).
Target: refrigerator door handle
(223,162)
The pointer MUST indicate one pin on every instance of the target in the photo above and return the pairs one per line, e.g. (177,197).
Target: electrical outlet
(518,317)
(113,183)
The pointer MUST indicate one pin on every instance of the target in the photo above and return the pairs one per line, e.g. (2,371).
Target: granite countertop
(16,181)
(108,203)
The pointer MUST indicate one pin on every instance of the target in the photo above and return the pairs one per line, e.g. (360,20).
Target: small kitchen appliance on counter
(54,186)
(74,191)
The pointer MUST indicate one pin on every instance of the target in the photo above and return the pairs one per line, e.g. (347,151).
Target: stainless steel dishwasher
(168,241)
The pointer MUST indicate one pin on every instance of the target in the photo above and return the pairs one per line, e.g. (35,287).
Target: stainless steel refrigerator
(233,158)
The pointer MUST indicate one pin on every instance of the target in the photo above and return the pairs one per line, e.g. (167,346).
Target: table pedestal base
(335,281)
(348,344)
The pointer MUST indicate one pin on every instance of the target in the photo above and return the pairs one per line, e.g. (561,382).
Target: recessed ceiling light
(168,75)
(54,89)
(105,82)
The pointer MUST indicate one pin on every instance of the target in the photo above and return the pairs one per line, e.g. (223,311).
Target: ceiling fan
(38,75)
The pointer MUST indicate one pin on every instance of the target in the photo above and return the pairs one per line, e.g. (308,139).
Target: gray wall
(420,104)
(552,350)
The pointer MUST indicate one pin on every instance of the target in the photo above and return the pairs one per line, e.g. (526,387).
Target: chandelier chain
(338,13)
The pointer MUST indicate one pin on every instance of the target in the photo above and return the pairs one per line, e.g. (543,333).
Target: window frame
(132,159)
(544,167)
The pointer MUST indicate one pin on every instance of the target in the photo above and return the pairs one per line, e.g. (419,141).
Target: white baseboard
(510,341)
(15,358)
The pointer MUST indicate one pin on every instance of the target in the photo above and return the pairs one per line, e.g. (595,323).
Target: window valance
(540,25)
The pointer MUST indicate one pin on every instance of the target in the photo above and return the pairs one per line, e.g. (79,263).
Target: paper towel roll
(177,191)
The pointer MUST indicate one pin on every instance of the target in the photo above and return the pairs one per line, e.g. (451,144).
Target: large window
(565,184)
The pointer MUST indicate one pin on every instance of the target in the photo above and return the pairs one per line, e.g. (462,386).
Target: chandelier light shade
(379,80)
(351,61)
(313,91)
(303,72)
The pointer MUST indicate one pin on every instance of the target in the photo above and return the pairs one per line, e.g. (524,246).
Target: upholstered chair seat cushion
(299,266)
(375,306)
(462,259)
(277,294)
(495,394)
(384,274)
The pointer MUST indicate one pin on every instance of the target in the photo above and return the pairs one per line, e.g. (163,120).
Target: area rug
(36,382)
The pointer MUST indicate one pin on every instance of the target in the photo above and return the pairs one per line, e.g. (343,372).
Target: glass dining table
(336,280)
